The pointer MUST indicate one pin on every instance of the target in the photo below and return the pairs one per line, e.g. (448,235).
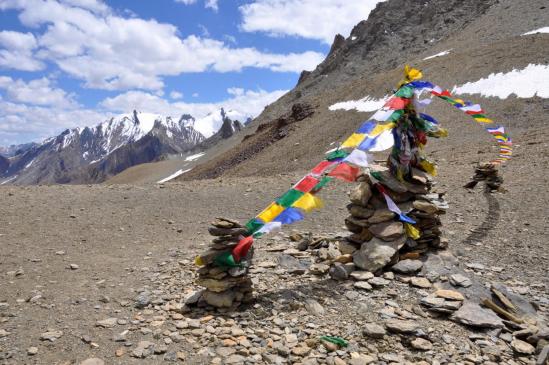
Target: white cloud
(110,52)
(16,51)
(186,2)
(36,92)
(248,102)
(314,19)
(22,123)
(176,95)
(211,4)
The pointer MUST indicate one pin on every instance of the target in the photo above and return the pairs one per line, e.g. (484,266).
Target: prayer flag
(382,115)
(267,228)
(421,85)
(289,215)
(396,103)
(308,202)
(289,197)
(405,92)
(270,212)
(325,180)
(367,127)
(321,167)
(472,109)
(253,225)
(359,158)
(381,142)
(396,115)
(354,140)
(225,259)
(412,74)
(242,248)
(345,172)
(306,184)
(428,118)
(412,231)
(496,130)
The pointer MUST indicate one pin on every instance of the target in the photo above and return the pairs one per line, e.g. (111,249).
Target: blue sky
(69,63)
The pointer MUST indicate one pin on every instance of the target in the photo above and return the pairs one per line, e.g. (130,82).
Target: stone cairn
(488,173)
(226,285)
(378,238)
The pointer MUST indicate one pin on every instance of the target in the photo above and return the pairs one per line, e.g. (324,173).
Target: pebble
(401,326)
(32,351)
(522,347)
(407,266)
(422,344)
(93,361)
(373,330)
(420,282)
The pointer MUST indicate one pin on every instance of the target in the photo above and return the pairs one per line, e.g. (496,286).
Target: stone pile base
(378,238)
(225,286)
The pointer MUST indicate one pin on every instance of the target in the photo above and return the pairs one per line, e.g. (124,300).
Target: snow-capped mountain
(92,154)
(213,122)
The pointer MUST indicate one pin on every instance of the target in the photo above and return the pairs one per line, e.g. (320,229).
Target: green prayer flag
(336,154)
(405,92)
(225,259)
(376,175)
(396,115)
(325,180)
(253,225)
(290,197)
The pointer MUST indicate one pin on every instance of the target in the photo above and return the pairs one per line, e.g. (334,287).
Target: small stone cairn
(225,286)
(378,238)
(488,173)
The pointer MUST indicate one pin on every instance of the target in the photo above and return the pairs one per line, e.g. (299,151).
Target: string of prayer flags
(344,163)
(475,111)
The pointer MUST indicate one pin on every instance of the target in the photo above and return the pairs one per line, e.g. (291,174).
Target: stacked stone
(488,173)
(226,286)
(379,237)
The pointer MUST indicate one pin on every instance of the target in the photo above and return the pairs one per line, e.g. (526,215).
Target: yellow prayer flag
(428,167)
(412,74)
(198,261)
(412,231)
(308,202)
(380,128)
(484,120)
(354,140)
(270,213)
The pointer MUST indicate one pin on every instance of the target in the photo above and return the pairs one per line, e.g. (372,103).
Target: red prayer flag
(242,248)
(345,172)
(397,103)
(306,184)
(321,167)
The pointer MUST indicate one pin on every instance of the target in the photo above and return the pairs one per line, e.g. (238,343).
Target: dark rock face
(4,164)
(394,30)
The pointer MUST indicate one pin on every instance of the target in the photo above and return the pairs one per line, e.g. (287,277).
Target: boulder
(376,254)
(223,299)
(387,231)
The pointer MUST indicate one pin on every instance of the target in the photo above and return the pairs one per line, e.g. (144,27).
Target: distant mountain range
(93,154)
